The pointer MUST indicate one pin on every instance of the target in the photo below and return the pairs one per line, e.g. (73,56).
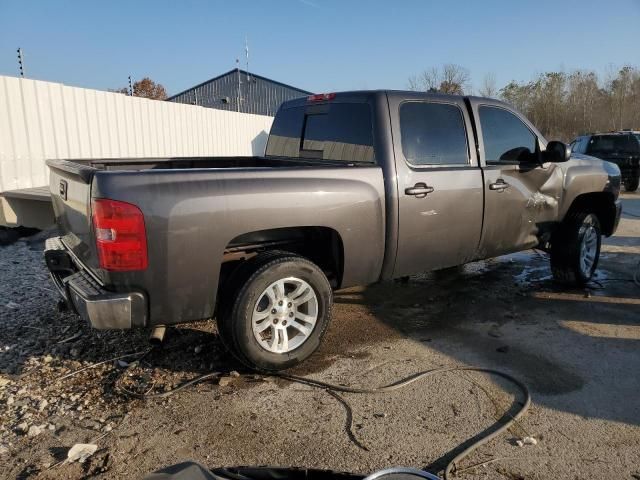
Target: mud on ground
(578,350)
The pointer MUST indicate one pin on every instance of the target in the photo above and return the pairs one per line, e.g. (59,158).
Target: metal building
(240,91)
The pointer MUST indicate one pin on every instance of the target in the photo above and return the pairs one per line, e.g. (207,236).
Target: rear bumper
(103,309)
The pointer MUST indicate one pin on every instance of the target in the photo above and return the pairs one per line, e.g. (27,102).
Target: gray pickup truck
(354,188)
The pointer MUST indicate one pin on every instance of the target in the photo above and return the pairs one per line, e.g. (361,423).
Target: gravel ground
(577,350)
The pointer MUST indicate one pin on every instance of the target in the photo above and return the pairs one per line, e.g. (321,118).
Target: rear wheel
(575,248)
(277,312)
(631,184)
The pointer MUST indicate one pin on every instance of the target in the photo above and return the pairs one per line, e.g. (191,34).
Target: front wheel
(278,313)
(575,248)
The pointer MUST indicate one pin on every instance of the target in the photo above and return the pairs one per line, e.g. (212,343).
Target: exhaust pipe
(157,335)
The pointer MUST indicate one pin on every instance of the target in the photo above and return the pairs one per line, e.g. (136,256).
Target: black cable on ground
(451,466)
(332,389)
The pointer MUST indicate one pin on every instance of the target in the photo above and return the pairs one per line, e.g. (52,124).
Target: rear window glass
(613,145)
(338,132)
(284,138)
(433,134)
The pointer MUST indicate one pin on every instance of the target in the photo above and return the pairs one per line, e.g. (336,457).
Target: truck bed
(196,209)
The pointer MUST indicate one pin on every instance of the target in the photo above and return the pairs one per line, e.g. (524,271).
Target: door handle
(419,190)
(500,185)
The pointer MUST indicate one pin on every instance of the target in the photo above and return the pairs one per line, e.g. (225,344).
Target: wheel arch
(602,204)
(321,245)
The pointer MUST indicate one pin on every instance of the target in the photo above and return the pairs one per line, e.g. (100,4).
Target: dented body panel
(514,216)
(584,174)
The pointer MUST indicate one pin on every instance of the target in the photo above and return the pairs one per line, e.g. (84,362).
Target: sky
(316,45)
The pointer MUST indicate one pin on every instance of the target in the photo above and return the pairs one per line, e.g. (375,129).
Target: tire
(262,339)
(575,249)
(631,184)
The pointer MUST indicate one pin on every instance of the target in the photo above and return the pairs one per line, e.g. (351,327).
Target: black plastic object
(195,471)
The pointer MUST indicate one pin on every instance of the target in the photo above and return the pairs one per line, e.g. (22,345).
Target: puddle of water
(525,277)
(520,257)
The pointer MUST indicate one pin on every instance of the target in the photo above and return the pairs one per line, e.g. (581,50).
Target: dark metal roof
(243,72)
(241,91)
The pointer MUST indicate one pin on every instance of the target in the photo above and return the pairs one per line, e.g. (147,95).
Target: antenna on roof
(246,51)
(239,82)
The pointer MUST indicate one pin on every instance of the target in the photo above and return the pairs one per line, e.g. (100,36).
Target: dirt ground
(577,350)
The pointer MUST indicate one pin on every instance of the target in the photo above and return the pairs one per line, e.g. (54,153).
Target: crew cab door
(439,183)
(521,195)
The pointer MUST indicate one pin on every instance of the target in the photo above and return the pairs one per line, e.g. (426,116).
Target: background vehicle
(621,148)
(355,187)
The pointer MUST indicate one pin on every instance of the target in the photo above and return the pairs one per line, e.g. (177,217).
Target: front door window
(506,138)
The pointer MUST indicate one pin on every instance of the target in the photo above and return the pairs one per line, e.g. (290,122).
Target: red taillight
(319,97)
(120,235)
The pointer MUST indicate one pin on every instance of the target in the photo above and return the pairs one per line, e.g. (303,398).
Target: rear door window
(433,134)
(333,131)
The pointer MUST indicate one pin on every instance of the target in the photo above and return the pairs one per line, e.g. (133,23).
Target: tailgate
(70,186)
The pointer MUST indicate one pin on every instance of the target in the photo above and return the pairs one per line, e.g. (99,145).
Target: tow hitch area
(59,263)
(102,308)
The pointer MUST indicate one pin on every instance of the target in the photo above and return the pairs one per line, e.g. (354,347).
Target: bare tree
(620,88)
(489,86)
(431,79)
(565,105)
(455,79)
(562,105)
(414,83)
(451,78)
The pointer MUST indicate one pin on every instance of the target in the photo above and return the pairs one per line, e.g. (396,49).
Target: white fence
(42,120)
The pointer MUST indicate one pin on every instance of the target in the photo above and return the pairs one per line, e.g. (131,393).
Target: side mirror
(557,152)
